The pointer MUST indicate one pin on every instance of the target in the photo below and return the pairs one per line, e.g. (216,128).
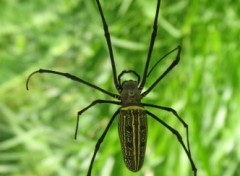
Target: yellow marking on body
(139,148)
(124,137)
(132,108)
(134,144)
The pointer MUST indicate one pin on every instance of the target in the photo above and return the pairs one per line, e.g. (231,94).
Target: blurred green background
(37,126)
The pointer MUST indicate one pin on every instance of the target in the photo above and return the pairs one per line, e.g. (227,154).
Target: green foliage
(37,126)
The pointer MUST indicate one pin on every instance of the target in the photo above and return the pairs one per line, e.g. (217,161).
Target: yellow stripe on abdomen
(132,108)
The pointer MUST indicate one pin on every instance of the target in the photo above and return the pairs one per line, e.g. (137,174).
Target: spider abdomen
(132,127)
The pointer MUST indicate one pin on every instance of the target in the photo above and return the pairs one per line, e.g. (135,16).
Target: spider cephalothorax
(130,94)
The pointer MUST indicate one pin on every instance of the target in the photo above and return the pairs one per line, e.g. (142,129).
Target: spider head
(130,93)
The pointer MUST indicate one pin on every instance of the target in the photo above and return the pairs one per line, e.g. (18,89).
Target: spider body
(133,113)
(132,126)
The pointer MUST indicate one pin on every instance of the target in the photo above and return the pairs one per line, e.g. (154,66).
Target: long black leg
(100,140)
(108,39)
(153,37)
(173,64)
(74,78)
(176,115)
(163,57)
(89,106)
(179,137)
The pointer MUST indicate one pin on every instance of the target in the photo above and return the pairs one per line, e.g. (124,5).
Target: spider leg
(153,37)
(89,106)
(179,137)
(176,115)
(100,140)
(173,64)
(163,57)
(109,44)
(128,71)
(74,78)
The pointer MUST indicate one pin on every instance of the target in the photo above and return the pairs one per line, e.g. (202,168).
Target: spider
(132,122)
